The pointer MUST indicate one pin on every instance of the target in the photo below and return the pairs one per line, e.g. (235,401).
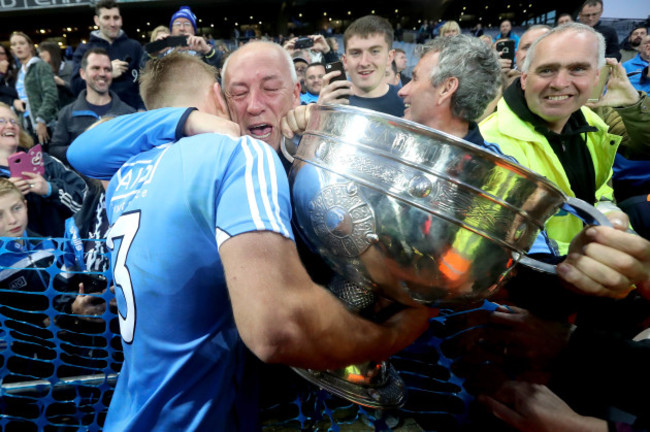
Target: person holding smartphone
(125,54)
(368,44)
(51,197)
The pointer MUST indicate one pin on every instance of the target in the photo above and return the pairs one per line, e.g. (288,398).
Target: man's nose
(254,104)
(404,90)
(365,57)
(561,79)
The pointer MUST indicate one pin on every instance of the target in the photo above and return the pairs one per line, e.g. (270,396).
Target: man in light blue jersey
(205,264)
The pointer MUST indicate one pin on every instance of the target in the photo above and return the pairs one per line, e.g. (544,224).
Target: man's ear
(391,57)
(524,77)
(448,89)
(96,18)
(219,101)
(82,74)
(296,94)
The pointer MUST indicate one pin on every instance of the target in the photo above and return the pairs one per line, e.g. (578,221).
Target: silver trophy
(414,215)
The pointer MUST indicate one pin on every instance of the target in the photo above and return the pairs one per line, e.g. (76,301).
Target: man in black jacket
(590,15)
(125,54)
(93,103)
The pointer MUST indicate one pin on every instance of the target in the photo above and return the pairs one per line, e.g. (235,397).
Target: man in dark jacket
(93,103)
(590,14)
(125,54)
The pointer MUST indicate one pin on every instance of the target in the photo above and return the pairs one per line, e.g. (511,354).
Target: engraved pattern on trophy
(342,220)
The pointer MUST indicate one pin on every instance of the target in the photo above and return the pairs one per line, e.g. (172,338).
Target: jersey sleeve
(253,194)
(100,151)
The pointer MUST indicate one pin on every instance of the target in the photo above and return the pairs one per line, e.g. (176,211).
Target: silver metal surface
(419,215)
(372,384)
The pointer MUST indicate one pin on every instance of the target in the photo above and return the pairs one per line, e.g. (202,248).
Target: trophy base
(355,383)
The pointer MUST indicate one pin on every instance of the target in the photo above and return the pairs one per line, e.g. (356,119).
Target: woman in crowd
(7,76)
(51,197)
(450,28)
(38,97)
(50,53)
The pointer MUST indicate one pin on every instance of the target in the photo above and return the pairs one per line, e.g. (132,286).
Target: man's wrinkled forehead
(252,65)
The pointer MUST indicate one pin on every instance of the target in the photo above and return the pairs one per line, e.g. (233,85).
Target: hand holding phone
(601,87)
(168,42)
(303,42)
(506,48)
(31,162)
(337,66)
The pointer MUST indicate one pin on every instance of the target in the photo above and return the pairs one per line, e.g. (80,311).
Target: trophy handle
(577,207)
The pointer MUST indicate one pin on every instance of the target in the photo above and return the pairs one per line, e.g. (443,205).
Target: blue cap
(183,12)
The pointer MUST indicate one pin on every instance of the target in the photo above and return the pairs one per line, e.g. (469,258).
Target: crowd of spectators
(49,100)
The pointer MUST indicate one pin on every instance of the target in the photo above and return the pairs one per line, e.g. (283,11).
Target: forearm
(102,150)
(283,317)
(636,119)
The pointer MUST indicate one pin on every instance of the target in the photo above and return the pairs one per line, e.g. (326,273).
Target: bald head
(527,40)
(261,86)
(255,48)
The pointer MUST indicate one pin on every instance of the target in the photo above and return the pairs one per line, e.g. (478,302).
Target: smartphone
(168,42)
(303,42)
(601,87)
(32,162)
(507,49)
(337,66)
(93,283)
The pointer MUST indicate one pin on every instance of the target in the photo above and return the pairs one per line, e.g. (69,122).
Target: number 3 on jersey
(125,228)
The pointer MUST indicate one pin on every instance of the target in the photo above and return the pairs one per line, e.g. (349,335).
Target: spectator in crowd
(442,95)
(158,33)
(50,53)
(563,18)
(224,273)
(450,28)
(313,83)
(392,76)
(487,39)
(630,47)
(637,68)
(477,31)
(401,64)
(539,121)
(526,40)
(93,103)
(425,32)
(51,197)
(38,98)
(125,54)
(334,47)
(183,23)
(7,77)
(321,51)
(300,64)
(590,14)
(505,32)
(399,32)
(368,45)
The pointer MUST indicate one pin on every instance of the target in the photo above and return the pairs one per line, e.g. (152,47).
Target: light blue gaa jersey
(170,208)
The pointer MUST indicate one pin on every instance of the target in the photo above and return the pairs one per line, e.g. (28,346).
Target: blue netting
(58,368)
(437,398)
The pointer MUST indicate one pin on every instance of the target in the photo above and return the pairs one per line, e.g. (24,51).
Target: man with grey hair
(451,85)
(542,123)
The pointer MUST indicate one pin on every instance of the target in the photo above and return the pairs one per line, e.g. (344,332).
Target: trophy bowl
(418,215)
